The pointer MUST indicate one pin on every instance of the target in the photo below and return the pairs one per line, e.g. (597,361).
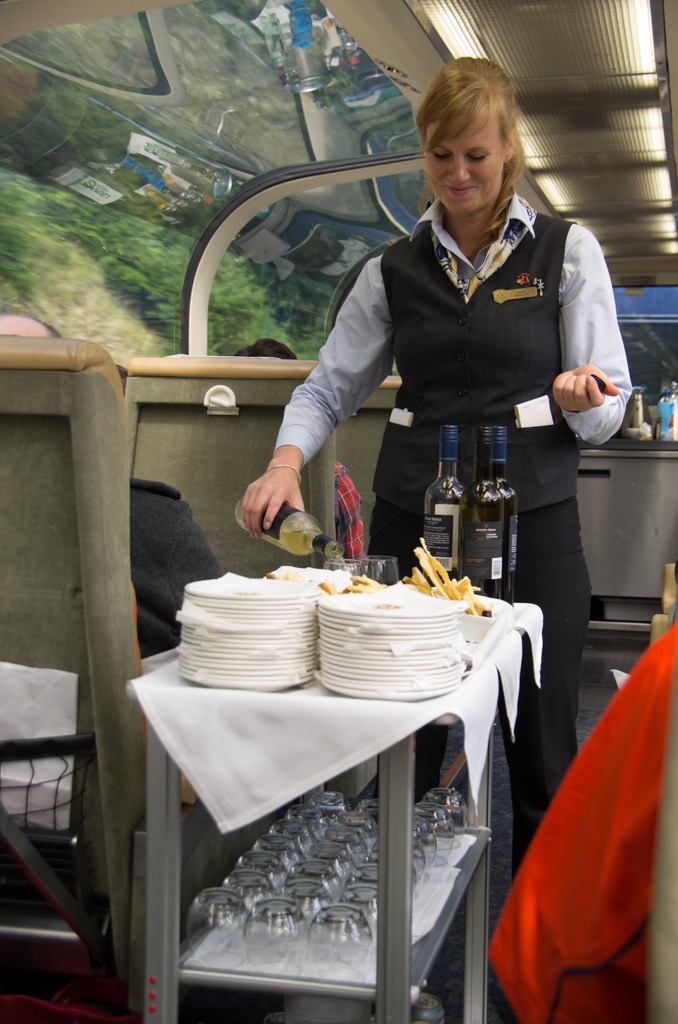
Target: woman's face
(466,170)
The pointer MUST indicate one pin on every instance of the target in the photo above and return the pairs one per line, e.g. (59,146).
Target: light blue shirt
(358,353)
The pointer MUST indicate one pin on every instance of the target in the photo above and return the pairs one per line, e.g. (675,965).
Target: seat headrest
(220,366)
(60,354)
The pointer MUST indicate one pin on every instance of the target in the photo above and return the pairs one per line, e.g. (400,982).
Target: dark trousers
(551,572)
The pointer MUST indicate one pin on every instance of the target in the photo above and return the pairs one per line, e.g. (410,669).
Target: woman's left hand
(577,391)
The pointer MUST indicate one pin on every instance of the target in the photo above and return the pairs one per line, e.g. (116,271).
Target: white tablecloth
(247,753)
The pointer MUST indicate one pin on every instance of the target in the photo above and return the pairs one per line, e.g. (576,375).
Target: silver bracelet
(286,465)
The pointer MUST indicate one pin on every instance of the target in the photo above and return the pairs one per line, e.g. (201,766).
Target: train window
(297,259)
(648,318)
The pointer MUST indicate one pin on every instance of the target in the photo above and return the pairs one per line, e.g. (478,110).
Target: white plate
(375,629)
(365,671)
(388,687)
(248,589)
(372,624)
(394,680)
(247,648)
(257,684)
(409,697)
(391,602)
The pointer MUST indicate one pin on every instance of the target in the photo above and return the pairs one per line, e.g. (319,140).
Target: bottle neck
(484,456)
(447,468)
(327,546)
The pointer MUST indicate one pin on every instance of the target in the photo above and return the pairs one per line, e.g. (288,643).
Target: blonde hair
(467,90)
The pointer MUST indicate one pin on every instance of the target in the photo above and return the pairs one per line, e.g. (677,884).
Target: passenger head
(26,327)
(470,92)
(267,348)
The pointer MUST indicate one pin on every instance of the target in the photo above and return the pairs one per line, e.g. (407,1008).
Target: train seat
(66,602)
(210,452)
(65,593)
(213,457)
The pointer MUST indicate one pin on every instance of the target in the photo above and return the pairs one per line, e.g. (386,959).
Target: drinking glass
(275,933)
(329,801)
(451,799)
(284,846)
(367,872)
(356,566)
(446,838)
(325,872)
(370,804)
(418,862)
(351,839)
(270,863)
(426,836)
(440,819)
(362,821)
(214,927)
(313,817)
(296,830)
(383,569)
(336,854)
(253,885)
(364,895)
(309,894)
(339,940)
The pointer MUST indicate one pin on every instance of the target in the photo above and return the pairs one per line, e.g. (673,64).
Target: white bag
(36,703)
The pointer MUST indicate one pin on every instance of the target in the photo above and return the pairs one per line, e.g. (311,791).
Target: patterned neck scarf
(495,256)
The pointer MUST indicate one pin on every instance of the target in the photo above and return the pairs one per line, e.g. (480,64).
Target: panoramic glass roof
(128,135)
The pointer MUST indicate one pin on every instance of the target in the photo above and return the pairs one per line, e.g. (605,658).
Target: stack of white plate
(252,634)
(394,644)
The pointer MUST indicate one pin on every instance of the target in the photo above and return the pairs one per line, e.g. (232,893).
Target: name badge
(506,294)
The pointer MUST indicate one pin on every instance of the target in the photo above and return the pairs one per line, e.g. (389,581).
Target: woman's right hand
(277,485)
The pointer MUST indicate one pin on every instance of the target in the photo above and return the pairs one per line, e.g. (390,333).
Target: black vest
(470,363)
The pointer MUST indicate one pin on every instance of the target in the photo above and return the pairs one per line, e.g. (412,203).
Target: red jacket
(570,946)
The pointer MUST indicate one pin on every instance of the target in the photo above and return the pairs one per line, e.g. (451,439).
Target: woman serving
(486,307)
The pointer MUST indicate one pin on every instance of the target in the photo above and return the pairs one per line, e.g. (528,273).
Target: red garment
(571,943)
(348,513)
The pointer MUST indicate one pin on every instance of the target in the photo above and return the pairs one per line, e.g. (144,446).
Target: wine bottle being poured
(297,532)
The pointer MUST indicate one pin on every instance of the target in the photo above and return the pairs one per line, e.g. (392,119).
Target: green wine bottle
(481,515)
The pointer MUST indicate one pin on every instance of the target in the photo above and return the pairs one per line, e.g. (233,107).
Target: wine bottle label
(482,555)
(441,534)
(512,543)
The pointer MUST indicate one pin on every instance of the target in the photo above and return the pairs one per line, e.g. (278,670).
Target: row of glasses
(307,890)
(286,931)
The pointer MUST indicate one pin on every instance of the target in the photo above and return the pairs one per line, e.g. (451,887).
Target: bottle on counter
(481,518)
(666,411)
(674,396)
(510,499)
(297,532)
(441,503)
